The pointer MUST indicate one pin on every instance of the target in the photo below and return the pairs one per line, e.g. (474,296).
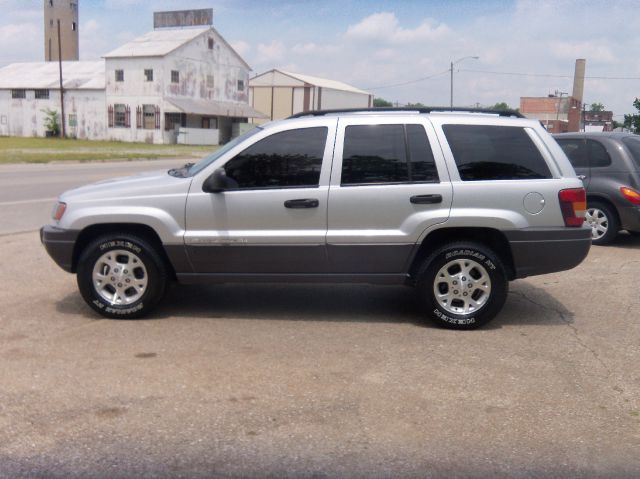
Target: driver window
(289,159)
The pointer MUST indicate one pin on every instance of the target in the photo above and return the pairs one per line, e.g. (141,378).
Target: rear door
(388,185)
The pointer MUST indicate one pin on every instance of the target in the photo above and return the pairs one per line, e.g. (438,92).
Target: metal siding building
(279,94)
(169,85)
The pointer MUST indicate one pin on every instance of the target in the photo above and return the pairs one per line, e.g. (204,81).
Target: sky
(398,50)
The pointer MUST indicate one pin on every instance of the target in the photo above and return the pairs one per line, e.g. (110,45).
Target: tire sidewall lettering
(120,244)
(472,254)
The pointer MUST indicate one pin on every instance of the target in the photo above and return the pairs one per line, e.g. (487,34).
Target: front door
(273,217)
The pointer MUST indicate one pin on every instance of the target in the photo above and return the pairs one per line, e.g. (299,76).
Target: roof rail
(427,109)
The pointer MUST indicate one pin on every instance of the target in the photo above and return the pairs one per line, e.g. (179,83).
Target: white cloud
(596,51)
(241,47)
(385,27)
(271,52)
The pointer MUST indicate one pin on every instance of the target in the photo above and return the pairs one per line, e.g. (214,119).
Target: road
(316,381)
(28,191)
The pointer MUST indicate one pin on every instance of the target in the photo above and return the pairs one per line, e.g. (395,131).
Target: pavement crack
(574,330)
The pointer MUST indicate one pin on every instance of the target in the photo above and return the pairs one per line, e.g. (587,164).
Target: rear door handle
(426,199)
(302,203)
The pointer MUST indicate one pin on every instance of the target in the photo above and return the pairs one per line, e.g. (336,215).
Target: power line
(538,75)
(407,82)
(547,75)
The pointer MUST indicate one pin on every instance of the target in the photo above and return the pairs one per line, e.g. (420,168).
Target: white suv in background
(455,203)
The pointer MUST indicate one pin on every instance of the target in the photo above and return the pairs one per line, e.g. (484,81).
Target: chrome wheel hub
(598,221)
(120,277)
(462,286)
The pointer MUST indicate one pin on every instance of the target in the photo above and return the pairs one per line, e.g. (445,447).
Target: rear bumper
(59,244)
(629,218)
(548,250)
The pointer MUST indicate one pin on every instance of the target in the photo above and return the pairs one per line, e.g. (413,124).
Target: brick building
(558,113)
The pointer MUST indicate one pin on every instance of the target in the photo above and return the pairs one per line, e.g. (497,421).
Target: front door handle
(426,199)
(302,203)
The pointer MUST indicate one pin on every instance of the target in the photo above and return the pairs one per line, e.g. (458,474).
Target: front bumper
(548,250)
(59,243)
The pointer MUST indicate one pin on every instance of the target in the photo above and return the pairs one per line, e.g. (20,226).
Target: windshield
(202,164)
(633,145)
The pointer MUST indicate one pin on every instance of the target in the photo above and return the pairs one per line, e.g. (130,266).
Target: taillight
(573,204)
(631,195)
(59,211)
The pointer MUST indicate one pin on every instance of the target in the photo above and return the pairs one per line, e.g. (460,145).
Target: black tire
(479,257)
(606,212)
(150,269)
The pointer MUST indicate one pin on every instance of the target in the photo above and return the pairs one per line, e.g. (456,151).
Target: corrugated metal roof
(157,43)
(44,75)
(217,108)
(325,83)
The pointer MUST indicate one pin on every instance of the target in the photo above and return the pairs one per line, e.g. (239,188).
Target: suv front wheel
(463,285)
(121,276)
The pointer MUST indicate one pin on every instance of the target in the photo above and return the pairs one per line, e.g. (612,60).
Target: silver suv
(454,203)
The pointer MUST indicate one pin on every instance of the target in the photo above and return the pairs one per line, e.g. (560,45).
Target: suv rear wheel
(603,221)
(121,276)
(463,285)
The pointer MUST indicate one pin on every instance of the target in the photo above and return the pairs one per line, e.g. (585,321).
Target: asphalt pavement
(29,191)
(314,381)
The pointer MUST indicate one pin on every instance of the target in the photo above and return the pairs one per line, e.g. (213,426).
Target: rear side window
(487,152)
(599,156)
(633,144)
(576,151)
(375,154)
(287,159)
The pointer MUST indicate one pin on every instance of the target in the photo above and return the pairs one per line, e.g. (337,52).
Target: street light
(451,71)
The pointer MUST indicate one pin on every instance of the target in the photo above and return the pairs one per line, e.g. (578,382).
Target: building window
(119,75)
(73,5)
(148,75)
(120,115)
(175,76)
(209,81)
(149,117)
(240,85)
(51,3)
(51,23)
(73,26)
(19,94)
(210,43)
(73,119)
(41,94)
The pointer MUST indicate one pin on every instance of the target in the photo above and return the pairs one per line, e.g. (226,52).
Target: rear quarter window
(488,152)
(633,145)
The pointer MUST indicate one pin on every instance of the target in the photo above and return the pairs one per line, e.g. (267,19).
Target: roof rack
(427,109)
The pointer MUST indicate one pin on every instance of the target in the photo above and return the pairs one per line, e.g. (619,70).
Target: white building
(28,89)
(279,94)
(183,85)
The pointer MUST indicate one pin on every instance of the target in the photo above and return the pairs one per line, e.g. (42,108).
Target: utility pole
(63,131)
(451,87)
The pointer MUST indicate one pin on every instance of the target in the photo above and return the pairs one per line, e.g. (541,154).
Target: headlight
(59,210)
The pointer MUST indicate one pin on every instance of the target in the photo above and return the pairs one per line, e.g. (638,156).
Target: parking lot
(308,380)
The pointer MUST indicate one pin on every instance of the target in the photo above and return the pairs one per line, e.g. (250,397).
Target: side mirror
(217,182)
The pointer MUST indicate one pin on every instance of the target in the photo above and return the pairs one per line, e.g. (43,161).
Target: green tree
(52,121)
(380,102)
(501,106)
(415,105)
(597,106)
(632,122)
